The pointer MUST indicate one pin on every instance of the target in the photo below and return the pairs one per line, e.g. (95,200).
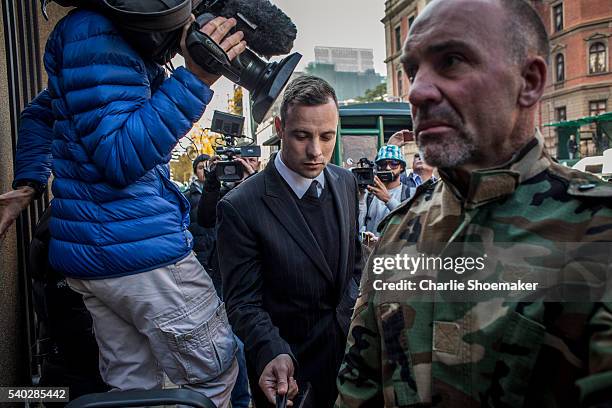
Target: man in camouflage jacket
(501,190)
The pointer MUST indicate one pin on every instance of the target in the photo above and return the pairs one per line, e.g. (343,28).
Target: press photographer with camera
(106,126)
(202,237)
(214,191)
(118,224)
(238,164)
(221,177)
(385,194)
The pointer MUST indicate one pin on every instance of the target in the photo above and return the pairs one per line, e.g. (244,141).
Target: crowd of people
(260,288)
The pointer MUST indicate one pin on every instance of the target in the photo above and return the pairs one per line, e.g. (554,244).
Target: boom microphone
(154,28)
(267,30)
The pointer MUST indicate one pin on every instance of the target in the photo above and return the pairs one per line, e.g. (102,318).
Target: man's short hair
(306,90)
(526,31)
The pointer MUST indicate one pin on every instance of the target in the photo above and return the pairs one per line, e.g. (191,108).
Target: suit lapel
(286,211)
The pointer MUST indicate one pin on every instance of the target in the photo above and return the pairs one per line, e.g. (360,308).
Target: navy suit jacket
(280,294)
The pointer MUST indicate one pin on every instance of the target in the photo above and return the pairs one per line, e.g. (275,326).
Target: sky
(337,23)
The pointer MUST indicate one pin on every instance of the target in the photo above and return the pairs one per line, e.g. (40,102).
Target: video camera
(230,127)
(267,30)
(366,171)
(154,28)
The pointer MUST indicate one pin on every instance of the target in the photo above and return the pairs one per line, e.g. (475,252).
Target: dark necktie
(312,191)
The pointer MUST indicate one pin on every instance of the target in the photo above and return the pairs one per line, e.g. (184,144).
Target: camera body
(231,170)
(230,126)
(365,173)
(364,176)
(154,29)
(263,80)
(385,176)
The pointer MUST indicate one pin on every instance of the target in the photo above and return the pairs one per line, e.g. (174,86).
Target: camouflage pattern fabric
(495,353)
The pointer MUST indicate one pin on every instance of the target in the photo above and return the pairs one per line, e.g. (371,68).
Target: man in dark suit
(290,256)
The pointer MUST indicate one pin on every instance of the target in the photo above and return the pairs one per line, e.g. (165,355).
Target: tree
(198,141)
(235,102)
(181,167)
(374,95)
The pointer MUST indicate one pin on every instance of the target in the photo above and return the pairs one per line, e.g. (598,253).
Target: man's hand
(361,192)
(380,190)
(247,165)
(212,183)
(401,138)
(11,205)
(277,378)
(216,29)
(369,239)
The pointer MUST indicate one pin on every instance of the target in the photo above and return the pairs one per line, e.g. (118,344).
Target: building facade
(346,59)
(348,85)
(579,77)
(399,16)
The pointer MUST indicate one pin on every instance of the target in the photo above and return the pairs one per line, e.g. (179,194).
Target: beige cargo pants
(167,320)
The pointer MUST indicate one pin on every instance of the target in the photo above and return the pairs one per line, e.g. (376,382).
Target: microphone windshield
(267,29)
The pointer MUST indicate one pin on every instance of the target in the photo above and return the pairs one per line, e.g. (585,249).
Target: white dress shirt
(299,184)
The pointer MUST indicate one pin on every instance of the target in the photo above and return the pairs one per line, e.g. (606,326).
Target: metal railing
(24,79)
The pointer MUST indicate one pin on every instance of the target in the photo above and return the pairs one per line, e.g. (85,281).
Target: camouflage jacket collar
(487,185)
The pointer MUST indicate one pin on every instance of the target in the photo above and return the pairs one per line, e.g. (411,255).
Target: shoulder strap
(369,199)
(405,192)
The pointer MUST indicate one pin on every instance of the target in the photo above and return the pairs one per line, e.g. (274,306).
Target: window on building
(597,58)
(560,67)
(558,17)
(561,114)
(398,38)
(597,107)
(410,22)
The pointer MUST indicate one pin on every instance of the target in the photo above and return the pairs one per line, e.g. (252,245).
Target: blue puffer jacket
(116,119)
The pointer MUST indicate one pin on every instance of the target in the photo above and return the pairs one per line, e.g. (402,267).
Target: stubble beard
(448,152)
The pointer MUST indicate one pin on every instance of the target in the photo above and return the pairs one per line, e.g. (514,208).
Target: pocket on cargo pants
(196,343)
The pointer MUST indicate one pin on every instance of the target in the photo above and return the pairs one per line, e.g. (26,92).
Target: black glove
(212,182)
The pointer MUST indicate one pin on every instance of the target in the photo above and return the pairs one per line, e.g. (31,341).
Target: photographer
(214,191)
(383,197)
(118,224)
(202,237)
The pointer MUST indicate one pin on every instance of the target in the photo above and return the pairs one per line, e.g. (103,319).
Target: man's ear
(534,80)
(278,125)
